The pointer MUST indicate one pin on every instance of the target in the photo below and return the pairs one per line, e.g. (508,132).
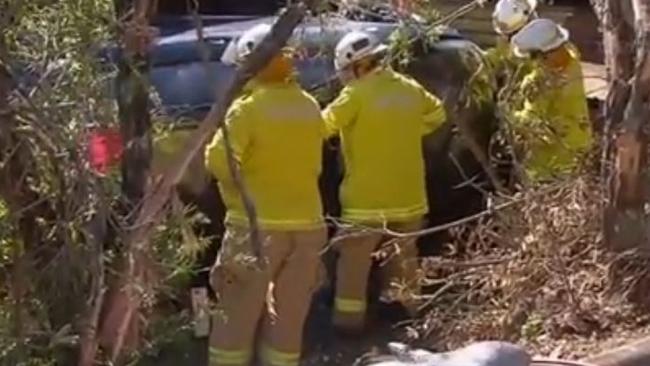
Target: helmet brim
(229,55)
(382,48)
(550,47)
(378,50)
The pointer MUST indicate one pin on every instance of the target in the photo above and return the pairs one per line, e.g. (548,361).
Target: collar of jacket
(376,73)
(288,82)
(558,59)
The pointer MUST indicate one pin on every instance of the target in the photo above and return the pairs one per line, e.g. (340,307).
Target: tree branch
(158,194)
(363,230)
(233,167)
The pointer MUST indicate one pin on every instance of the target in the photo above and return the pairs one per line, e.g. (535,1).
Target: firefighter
(508,18)
(380,117)
(552,123)
(276,133)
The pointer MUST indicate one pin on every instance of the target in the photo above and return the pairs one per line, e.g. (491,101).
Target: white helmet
(251,39)
(355,46)
(229,55)
(541,35)
(238,49)
(509,16)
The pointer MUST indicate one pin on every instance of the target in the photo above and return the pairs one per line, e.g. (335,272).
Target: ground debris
(541,278)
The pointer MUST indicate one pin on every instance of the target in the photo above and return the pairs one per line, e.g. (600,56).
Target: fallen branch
(88,341)
(158,194)
(363,230)
(463,106)
(233,167)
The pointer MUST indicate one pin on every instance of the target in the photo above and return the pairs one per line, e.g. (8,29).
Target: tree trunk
(625,218)
(10,191)
(135,126)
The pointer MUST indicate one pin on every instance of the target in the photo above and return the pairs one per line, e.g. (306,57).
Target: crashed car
(186,78)
(186,81)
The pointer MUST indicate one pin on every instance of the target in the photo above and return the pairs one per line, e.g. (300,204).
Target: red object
(105,149)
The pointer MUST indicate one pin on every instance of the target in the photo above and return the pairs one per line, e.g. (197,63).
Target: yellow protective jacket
(553,124)
(166,147)
(381,119)
(276,132)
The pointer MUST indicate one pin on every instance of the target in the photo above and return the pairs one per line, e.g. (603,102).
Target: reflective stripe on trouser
(225,357)
(353,271)
(273,357)
(344,305)
(292,274)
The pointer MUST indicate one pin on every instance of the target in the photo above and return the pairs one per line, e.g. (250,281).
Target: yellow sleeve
(341,112)
(535,105)
(434,111)
(533,119)
(493,57)
(238,122)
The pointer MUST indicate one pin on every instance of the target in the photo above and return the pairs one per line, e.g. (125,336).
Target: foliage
(537,273)
(65,90)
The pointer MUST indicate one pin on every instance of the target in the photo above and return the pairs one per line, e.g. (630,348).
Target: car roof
(186,88)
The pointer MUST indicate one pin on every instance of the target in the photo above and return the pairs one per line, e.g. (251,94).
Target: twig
(159,193)
(431,298)
(553,362)
(505,96)
(460,12)
(436,229)
(476,150)
(135,125)
(467,265)
(468,181)
(89,341)
(233,166)
(455,304)
(464,10)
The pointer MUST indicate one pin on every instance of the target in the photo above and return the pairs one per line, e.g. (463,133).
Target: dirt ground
(322,346)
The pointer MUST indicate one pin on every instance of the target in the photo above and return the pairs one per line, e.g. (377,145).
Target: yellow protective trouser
(292,274)
(353,269)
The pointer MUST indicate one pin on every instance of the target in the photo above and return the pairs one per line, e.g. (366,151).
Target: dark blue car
(187,85)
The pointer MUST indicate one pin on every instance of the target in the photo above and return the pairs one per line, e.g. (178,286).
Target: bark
(625,219)
(135,127)
(10,171)
(617,40)
(89,342)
